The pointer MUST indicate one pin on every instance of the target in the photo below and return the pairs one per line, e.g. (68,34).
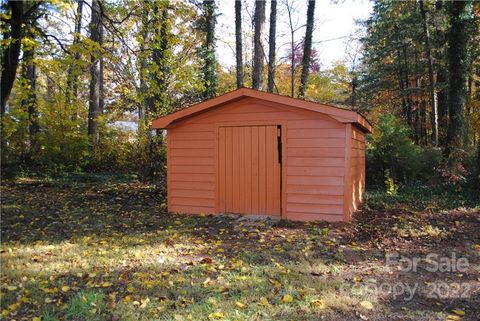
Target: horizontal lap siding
(191,169)
(314,167)
(357,167)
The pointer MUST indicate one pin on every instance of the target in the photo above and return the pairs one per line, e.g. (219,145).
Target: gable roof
(340,114)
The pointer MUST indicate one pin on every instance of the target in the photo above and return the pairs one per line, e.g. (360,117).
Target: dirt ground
(109,251)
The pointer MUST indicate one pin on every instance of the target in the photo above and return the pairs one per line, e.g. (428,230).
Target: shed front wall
(313,168)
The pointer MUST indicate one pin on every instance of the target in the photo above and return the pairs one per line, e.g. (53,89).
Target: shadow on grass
(114,237)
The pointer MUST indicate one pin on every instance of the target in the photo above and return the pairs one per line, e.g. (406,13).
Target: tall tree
(439,44)
(158,100)
(271,45)
(94,96)
(73,69)
(458,64)
(101,97)
(238,42)
(431,79)
(208,49)
(22,15)
(307,48)
(30,97)
(290,11)
(143,66)
(258,56)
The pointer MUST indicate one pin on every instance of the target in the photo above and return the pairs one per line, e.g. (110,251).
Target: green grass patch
(420,197)
(89,251)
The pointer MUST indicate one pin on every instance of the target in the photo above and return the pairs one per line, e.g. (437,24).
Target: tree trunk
(401,85)
(441,81)
(210,61)
(30,101)
(101,99)
(271,45)
(94,97)
(292,49)
(307,49)
(416,123)
(423,128)
(354,84)
(73,69)
(478,165)
(238,42)
(257,77)
(158,102)
(431,79)
(458,63)
(408,106)
(442,99)
(468,109)
(143,65)
(12,51)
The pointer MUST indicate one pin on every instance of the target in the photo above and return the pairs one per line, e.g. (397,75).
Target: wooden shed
(251,152)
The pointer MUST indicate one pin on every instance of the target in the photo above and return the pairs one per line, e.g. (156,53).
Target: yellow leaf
(65,288)
(106,284)
(367,305)
(452,317)
(130,289)
(458,312)
(14,306)
(11,287)
(149,284)
(212,301)
(240,305)
(216,315)
(36,319)
(144,303)
(287,298)
(127,299)
(318,303)
(264,301)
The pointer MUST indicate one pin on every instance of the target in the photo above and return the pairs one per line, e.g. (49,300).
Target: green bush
(391,152)
(150,156)
(115,150)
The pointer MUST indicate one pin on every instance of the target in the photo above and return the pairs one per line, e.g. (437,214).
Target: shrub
(115,149)
(391,152)
(150,156)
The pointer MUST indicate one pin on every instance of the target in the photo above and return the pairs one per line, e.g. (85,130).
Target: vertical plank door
(249,170)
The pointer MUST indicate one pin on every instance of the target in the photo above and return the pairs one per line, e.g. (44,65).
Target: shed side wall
(315,149)
(357,162)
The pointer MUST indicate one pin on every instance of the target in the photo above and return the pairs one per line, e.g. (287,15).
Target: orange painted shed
(251,152)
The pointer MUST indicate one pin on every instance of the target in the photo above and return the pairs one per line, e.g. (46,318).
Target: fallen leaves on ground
(113,251)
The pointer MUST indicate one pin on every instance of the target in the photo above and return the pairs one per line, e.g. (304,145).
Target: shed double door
(249,170)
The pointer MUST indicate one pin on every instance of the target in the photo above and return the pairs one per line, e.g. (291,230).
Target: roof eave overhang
(341,115)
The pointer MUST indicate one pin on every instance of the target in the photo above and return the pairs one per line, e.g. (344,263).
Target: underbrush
(73,178)
(423,196)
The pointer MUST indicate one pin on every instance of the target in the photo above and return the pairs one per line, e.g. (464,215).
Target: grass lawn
(107,250)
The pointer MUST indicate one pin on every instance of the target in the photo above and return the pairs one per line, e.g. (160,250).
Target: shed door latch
(279,143)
